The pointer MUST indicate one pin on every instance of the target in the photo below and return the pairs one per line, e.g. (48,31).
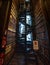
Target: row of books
(12,25)
(12,19)
(41,29)
(9,51)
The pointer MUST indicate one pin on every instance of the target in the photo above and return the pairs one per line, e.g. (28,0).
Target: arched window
(25,29)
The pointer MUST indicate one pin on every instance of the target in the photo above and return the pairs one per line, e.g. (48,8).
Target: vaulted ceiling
(21,1)
(33,3)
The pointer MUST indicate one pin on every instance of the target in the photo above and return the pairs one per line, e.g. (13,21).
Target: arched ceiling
(33,3)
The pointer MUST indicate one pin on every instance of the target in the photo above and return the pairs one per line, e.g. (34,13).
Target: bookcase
(41,29)
(11,33)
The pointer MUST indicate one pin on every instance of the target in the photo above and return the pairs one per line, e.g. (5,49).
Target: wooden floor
(20,59)
(17,60)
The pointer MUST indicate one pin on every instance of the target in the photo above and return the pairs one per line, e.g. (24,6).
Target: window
(25,37)
(21,28)
(29,37)
(28,20)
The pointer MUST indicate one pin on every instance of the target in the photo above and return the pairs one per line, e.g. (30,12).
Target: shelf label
(35,45)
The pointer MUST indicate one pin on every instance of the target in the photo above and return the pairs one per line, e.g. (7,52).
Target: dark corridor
(24,32)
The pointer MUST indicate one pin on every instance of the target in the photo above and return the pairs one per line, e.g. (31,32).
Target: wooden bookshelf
(41,29)
(11,43)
